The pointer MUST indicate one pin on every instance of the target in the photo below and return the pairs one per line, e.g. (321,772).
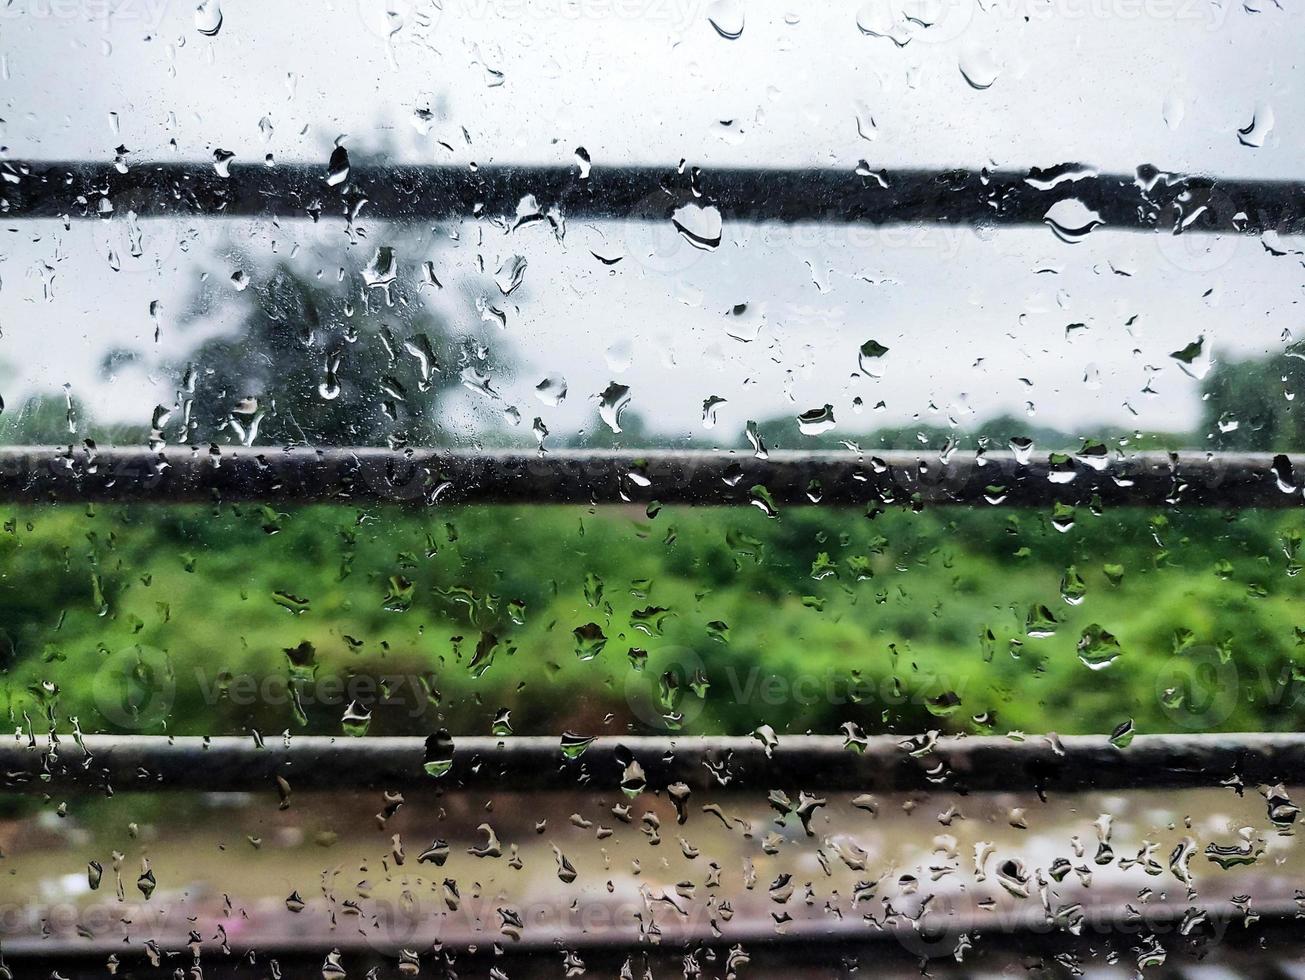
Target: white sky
(1113,83)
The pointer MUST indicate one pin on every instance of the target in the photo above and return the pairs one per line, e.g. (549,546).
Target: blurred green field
(196,620)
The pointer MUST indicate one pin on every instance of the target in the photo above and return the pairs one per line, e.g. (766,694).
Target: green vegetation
(200,617)
(197,620)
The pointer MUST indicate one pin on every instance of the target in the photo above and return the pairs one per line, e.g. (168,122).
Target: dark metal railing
(816,762)
(900,939)
(699,477)
(1145,200)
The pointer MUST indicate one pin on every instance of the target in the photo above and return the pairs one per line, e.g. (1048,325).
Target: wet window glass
(703,488)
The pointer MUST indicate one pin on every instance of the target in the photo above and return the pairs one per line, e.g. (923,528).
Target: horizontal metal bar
(816,762)
(1147,199)
(935,935)
(699,477)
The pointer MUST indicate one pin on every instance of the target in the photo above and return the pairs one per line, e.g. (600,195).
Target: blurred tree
(43,420)
(58,419)
(635,434)
(309,365)
(1255,404)
(356,359)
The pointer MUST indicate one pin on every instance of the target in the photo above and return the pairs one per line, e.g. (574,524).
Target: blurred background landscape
(602,621)
(537,331)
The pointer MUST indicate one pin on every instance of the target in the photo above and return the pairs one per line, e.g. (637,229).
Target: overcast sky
(975,322)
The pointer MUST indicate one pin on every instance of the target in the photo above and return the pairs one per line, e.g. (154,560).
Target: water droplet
(222,162)
(1071,220)
(869,358)
(1040,622)
(1194,359)
(979,68)
(208,18)
(709,406)
(551,391)
(566,871)
(502,723)
(1094,454)
(439,754)
(879,18)
(436,854)
(727,17)
(1122,736)
(510,274)
(1072,587)
(1098,648)
(356,720)
(573,745)
(1254,133)
(589,641)
(814,421)
(612,402)
(1284,474)
(329,388)
(633,780)
(337,170)
(382,270)
(1244,852)
(760,497)
(701,226)
(943,705)
(583,162)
